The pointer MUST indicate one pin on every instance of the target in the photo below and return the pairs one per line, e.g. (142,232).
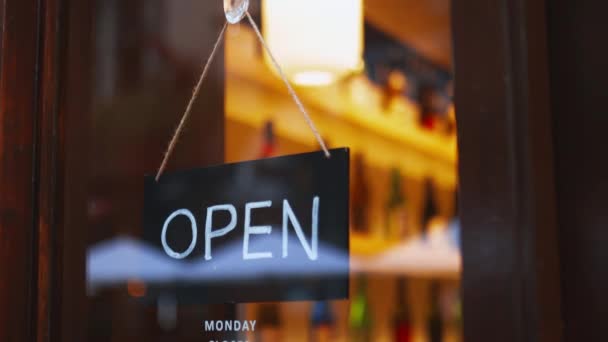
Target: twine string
(292,92)
(188,110)
(198,86)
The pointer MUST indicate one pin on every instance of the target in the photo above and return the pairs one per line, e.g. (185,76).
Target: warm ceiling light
(313,77)
(315,41)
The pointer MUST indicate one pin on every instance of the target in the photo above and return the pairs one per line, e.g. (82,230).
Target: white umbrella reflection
(437,254)
(121,259)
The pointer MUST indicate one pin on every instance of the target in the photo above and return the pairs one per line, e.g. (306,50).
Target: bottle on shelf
(322,322)
(450,121)
(450,116)
(359,196)
(394,101)
(434,110)
(395,208)
(455,211)
(435,321)
(268,140)
(402,323)
(454,223)
(456,315)
(430,208)
(394,88)
(268,326)
(359,316)
(429,118)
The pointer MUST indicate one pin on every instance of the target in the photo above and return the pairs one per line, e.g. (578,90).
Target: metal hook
(235,10)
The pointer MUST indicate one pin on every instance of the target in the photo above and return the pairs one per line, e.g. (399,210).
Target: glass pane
(381,85)
(375,77)
(147,57)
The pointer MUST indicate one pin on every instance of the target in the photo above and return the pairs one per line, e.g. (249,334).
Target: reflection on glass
(435,320)
(397,117)
(322,322)
(375,88)
(147,56)
(402,318)
(359,316)
(269,323)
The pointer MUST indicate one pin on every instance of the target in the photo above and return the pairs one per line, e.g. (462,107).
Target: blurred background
(376,76)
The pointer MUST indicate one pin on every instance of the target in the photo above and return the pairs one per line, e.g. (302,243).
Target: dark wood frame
(19,103)
(511,274)
(578,71)
(36,156)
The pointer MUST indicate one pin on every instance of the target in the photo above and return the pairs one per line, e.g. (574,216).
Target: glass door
(375,76)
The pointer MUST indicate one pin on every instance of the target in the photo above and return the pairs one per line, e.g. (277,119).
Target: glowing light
(314,78)
(315,41)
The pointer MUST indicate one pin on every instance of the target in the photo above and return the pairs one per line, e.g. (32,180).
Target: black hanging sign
(265,230)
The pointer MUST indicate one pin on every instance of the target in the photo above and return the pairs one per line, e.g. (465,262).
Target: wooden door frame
(35,156)
(18,159)
(511,274)
(578,96)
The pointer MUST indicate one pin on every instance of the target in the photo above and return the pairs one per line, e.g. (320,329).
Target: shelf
(434,257)
(365,245)
(346,114)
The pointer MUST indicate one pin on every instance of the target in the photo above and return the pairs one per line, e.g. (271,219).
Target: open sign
(289,218)
(266,230)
